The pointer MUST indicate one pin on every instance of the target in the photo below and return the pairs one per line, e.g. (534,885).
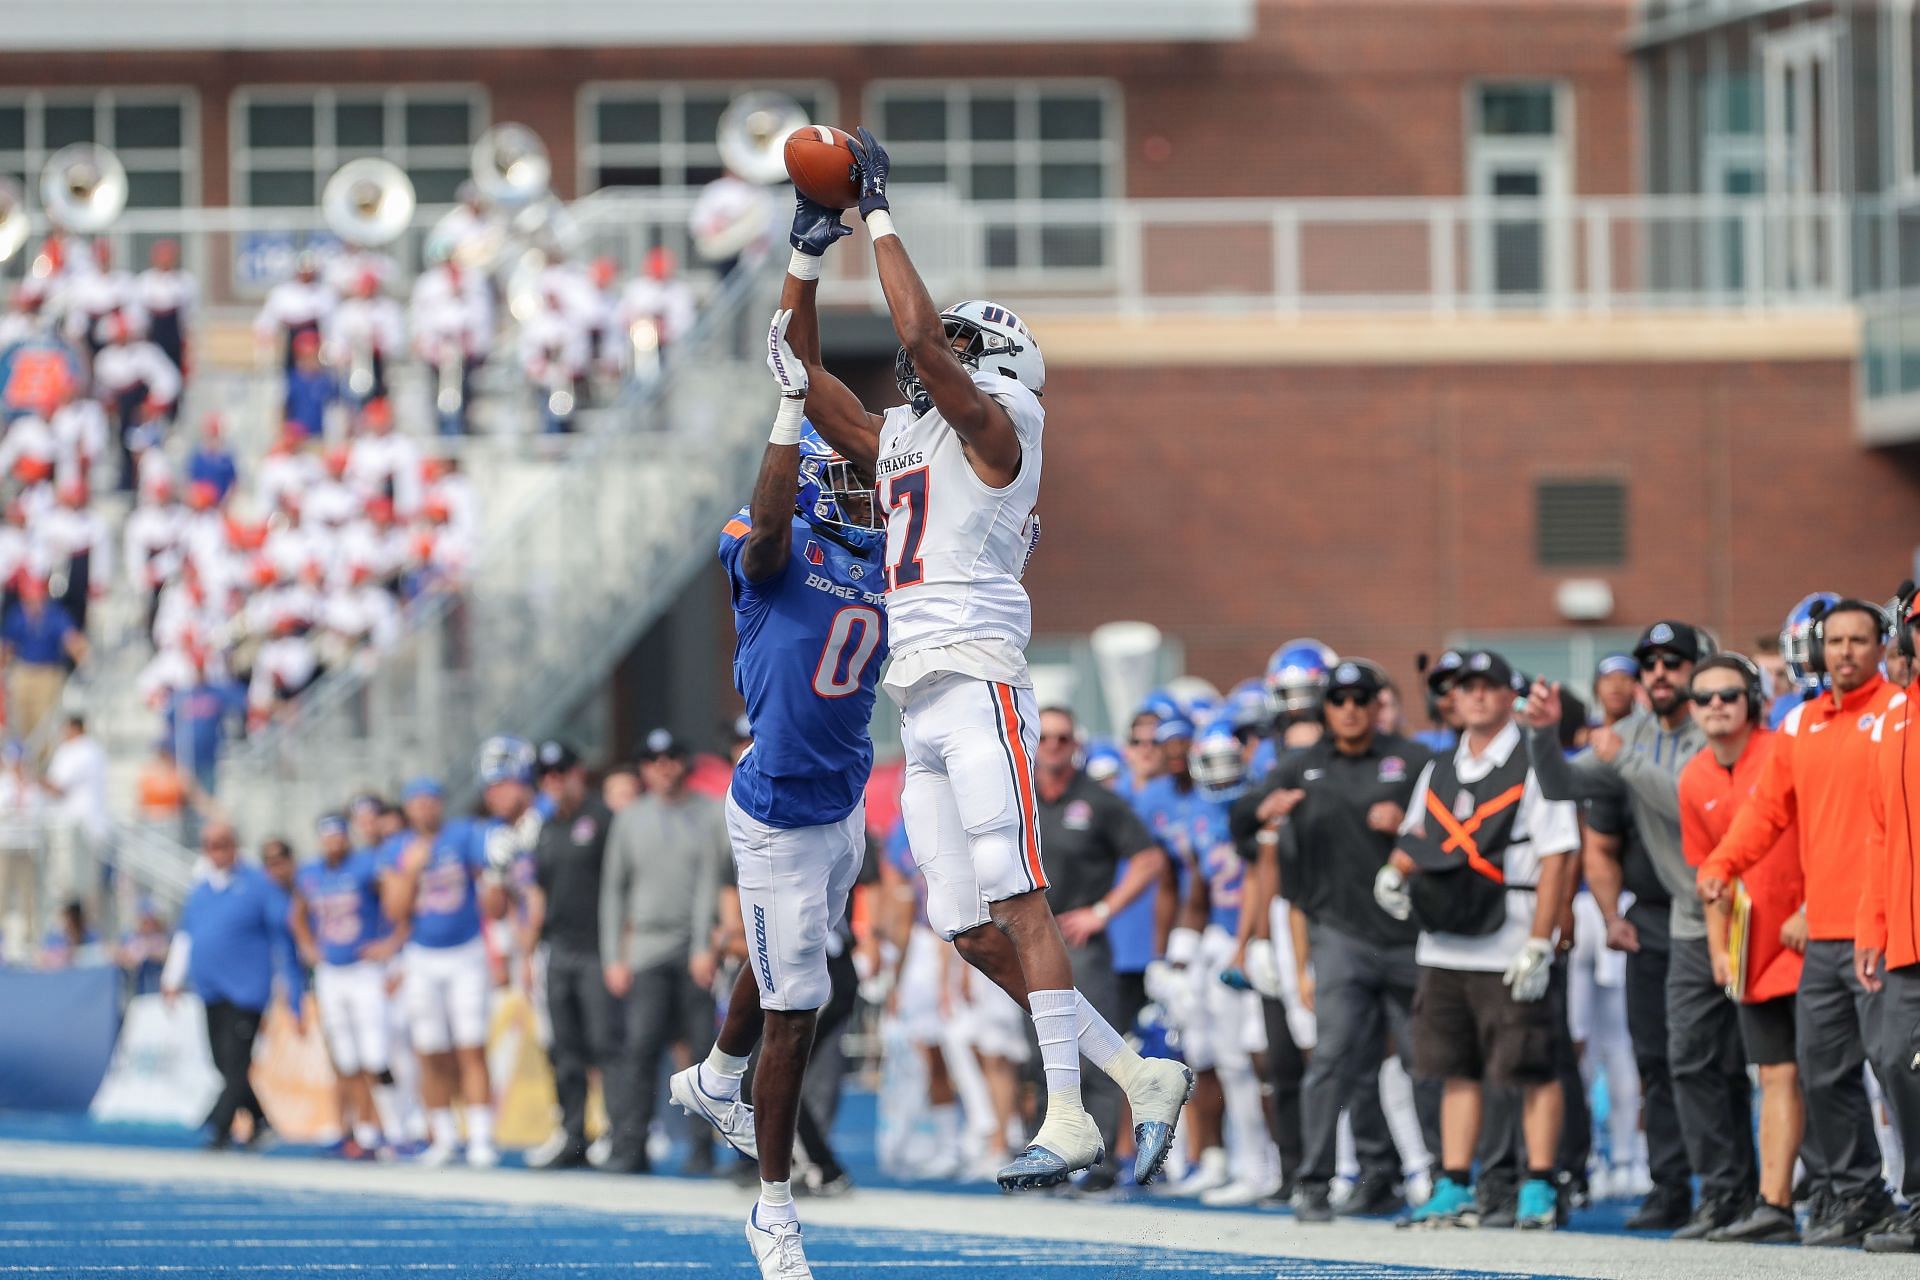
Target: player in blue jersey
(804,566)
(435,878)
(337,925)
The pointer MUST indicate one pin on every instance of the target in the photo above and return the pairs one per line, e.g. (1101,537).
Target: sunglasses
(1348,698)
(1662,662)
(1725,697)
(1056,737)
(1139,742)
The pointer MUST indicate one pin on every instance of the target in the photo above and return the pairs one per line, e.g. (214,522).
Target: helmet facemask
(970,342)
(832,494)
(1218,768)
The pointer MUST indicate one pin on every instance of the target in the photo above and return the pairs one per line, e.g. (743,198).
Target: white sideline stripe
(1155,1226)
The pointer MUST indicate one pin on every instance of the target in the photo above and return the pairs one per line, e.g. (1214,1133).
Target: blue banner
(58,1038)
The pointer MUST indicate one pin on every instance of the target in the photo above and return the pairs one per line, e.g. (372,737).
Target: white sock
(1106,1048)
(946,1124)
(776,1203)
(721,1073)
(440,1124)
(367,1135)
(1055,1018)
(479,1126)
(386,1105)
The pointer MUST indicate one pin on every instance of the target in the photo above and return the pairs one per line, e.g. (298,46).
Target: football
(820,162)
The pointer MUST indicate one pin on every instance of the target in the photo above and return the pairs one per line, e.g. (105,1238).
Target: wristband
(1102,912)
(804,266)
(880,223)
(786,422)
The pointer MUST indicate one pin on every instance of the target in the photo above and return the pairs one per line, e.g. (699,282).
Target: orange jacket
(1821,773)
(1889,901)
(1711,796)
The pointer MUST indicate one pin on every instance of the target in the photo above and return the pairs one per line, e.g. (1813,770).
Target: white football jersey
(955,547)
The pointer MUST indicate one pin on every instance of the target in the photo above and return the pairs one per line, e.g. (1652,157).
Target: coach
(1086,833)
(1344,798)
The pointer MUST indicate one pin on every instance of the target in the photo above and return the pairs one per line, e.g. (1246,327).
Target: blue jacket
(239,939)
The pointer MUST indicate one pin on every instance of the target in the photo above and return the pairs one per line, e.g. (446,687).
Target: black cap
(662,744)
(1444,669)
(1681,638)
(555,757)
(1362,677)
(1490,665)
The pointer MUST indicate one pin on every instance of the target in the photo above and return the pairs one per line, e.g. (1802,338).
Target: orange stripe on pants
(1023,783)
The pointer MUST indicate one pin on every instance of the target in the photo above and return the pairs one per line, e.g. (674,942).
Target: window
(666,135)
(287,143)
(994,141)
(1580,522)
(1518,153)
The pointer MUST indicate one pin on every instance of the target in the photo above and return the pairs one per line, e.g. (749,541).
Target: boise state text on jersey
(343,905)
(807,661)
(446,909)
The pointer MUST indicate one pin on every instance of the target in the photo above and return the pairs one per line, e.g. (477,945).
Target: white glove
(1390,891)
(1183,946)
(787,369)
(1263,968)
(1165,983)
(527,830)
(502,847)
(1530,971)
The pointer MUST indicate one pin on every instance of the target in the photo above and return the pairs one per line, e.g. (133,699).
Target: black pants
(230,1034)
(1647,1029)
(1286,1072)
(664,1005)
(1892,1058)
(1834,1021)
(1363,1005)
(1094,978)
(581,1012)
(1709,1067)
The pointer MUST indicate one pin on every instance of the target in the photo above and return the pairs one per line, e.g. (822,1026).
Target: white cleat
(1209,1175)
(731,1118)
(438,1155)
(1160,1088)
(481,1155)
(1068,1142)
(1239,1193)
(777,1249)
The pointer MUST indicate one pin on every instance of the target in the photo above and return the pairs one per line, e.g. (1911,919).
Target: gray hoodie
(1646,775)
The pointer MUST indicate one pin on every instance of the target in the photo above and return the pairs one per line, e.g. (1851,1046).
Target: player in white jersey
(959,476)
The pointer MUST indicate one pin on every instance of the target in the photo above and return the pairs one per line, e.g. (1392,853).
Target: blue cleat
(1068,1142)
(1450,1205)
(1160,1089)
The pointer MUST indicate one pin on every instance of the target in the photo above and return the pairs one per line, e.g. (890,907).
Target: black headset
(1903,600)
(1755,685)
(1821,611)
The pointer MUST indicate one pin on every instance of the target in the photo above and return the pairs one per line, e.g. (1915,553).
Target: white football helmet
(996,340)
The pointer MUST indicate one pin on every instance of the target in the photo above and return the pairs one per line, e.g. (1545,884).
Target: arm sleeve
(173,974)
(1653,786)
(1582,778)
(1769,811)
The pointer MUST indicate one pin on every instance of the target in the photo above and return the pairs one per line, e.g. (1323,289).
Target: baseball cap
(1444,669)
(418,787)
(1173,728)
(1361,677)
(1490,665)
(662,743)
(1623,664)
(556,757)
(1681,638)
(330,824)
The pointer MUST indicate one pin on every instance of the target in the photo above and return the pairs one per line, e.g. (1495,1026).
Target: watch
(1101,911)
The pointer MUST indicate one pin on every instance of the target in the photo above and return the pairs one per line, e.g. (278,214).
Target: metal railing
(559,590)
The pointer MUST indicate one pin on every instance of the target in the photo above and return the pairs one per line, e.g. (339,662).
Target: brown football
(820,162)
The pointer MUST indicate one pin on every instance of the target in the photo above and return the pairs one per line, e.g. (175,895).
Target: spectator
(38,639)
(142,952)
(169,296)
(312,388)
(211,461)
(81,830)
(294,310)
(71,942)
(621,787)
(1616,687)
(232,939)
(1714,787)
(21,804)
(451,319)
(76,539)
(1487,901)
(197,716)
(162,789)
(568,863)
(360,336)
(383,463)
(655,313)
(139,386)
(667,858)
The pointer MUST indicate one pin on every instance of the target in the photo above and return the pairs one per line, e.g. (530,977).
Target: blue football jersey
(343,905)
(446,908)
(1217,859)
(807,661)
(1163,807)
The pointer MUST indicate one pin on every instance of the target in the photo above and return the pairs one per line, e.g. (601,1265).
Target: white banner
(162,1070)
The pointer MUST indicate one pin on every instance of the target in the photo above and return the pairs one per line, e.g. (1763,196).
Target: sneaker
(481,1155)
(262,1139)
(1713,1213)
(1538,1208)
(731,1118)
(550,1149)
(437,1155)
(1159,1089)
(1310,1204)
(1852,1221)
(1666,1208)
(1450,1205)
(1763,1224)
(1205,1176)
(777,1249)
(599,1150)
(1372,1197)
(1902,1235)
(1068,1141)
(825,1188)
(1240,1193)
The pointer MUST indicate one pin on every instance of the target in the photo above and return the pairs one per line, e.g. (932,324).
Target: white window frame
(1554,155)
(185,158)
(1900,78)
(326,155)
(1026,152)
(674,152)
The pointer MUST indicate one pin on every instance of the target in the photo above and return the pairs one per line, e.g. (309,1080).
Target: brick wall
(1381,508)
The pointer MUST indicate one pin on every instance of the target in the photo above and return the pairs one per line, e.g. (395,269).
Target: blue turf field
(62,1228)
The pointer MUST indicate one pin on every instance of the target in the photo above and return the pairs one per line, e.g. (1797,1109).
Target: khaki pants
(20,919)
(73,868)
(33,692)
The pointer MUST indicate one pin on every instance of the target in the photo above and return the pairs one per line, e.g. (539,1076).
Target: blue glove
(1236,979)
(870,165)
(815,226)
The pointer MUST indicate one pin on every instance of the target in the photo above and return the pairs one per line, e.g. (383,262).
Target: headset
(1902,640)
(1748,670)
(1901,609)
(1820,611)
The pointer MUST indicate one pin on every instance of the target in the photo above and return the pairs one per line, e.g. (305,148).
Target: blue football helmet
(1161,705)
(1214,761)
(831,494)
(1247,706)
(1104,761)
(1197,699)
(504,758)
(1805,663)
(1297,677)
